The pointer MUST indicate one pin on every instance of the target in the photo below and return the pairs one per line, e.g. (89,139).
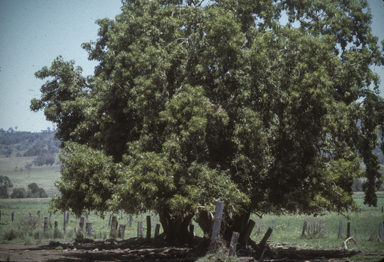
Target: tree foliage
(5,184)
(34,191)
(195,102)
(19,193)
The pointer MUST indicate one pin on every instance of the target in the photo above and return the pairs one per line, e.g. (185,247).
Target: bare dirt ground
(139,250)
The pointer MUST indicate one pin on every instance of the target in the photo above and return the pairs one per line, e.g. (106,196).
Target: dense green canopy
(193,102)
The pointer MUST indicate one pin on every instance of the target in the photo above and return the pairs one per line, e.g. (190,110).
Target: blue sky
(34,33)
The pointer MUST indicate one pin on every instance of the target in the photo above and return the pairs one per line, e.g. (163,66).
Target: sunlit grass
(22,208)
(43,176)
(287,228)
(364,229)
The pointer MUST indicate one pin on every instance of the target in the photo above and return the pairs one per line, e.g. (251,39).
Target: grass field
(42,176)
(364,228)
(287,228)
(29,229)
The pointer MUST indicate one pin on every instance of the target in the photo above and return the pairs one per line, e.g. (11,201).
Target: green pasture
(43,176)
(364,227)
(287,229)
(29,228)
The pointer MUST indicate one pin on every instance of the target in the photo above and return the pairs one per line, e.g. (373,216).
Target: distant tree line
(33,190)
(13,137)
(43,145)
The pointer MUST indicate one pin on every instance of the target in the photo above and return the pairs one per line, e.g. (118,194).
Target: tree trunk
(175,228)
(205,222)
(238,223)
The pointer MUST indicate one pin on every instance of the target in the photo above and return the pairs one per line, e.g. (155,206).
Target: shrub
(79,236)
(10,234)
(58,234)
(34,191)
(40,234)
(37,234)
(30,222)
(42,193)
(28,241)
(19,193)
(316,228)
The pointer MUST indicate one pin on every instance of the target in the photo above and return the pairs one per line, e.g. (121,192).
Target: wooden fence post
(381,231)
(191,234)
(348,229)
(340,229)
(81,224)
(66,216)
(110,219)
(216,225)
(148,227)
(113,227)
(233,244)
(304,228)
(38,213)
(157,230)
(218,218)
(88,228)
(139,229)
(45,224)
(64,225)
(155,222)
(13,216)
(130,221)
(121,231)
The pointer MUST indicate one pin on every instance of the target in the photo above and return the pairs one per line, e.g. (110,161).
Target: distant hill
(27,157)
(43,146)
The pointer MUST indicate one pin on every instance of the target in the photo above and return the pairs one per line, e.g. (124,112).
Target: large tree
(193,102)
